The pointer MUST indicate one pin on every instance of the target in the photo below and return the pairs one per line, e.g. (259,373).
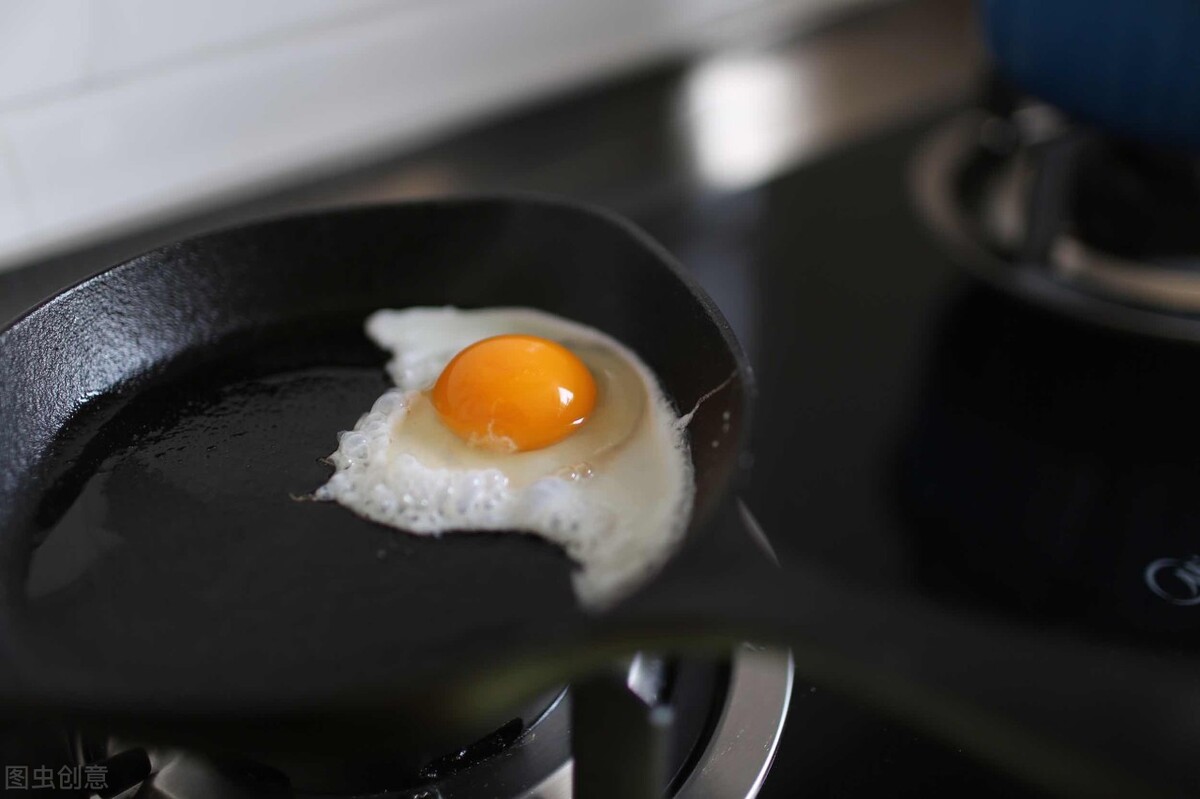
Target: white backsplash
(114,113)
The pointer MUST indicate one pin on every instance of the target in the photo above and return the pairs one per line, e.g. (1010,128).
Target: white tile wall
(122,111)
(206,127)
(43,47)
(129,35)
(14,218)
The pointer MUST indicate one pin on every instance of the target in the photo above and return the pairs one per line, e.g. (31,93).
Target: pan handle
(1072,716)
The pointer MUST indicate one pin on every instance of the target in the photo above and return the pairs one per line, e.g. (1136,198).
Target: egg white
(615,495)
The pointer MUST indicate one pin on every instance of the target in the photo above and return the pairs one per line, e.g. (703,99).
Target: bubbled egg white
(615,495)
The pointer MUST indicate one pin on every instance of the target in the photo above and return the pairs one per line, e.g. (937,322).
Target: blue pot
(1131,66)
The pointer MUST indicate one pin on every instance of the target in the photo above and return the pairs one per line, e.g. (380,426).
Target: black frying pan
(160,578)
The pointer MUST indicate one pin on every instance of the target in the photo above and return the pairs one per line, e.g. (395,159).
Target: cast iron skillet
(164,421)
(160,576)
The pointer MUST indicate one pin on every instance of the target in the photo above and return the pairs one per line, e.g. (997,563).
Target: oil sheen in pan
(173,528)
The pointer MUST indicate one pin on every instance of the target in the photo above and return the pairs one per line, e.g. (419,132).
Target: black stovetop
(916,432)
(842,301)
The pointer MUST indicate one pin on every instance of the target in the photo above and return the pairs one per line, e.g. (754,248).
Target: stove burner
(729,762)
(1101,229)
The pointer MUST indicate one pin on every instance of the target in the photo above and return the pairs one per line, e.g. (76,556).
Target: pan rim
(40,696)
(609,216)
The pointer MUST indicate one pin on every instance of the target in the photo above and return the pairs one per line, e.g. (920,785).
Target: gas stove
(722,719)
(974,332)
(1059,213)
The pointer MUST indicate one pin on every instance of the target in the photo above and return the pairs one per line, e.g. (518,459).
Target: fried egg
(512,419)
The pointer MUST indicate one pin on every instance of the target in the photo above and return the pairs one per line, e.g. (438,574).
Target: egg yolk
(514,392)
